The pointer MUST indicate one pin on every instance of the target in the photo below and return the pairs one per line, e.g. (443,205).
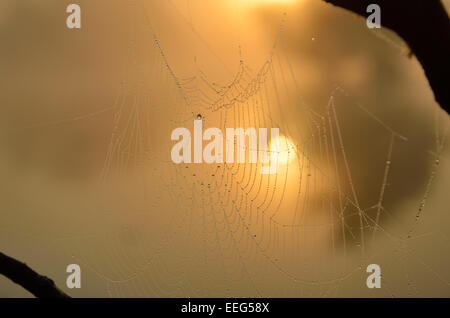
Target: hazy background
(85,126)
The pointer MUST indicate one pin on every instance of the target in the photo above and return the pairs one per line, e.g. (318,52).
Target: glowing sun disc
(286,150)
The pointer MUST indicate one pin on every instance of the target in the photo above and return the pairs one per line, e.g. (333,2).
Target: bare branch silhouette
(40,286)
(425,27)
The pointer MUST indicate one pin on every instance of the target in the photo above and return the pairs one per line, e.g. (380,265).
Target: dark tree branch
(425,27)
(20,273)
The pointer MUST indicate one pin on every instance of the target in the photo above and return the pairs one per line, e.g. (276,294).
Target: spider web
(233,230)
(310,229)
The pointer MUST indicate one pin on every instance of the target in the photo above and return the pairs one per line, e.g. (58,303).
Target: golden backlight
(286,150)
(86,116)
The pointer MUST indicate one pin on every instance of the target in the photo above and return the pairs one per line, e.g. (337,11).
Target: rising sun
(286,150)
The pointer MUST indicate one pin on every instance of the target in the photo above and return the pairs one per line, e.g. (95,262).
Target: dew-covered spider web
(335,205)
